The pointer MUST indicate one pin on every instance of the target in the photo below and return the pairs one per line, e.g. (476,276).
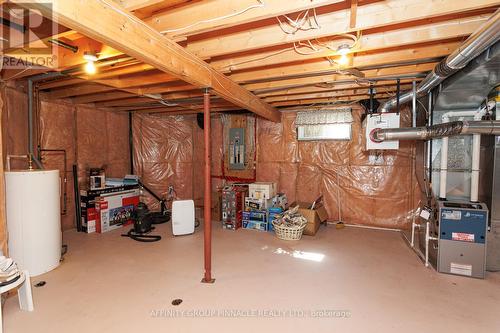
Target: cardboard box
(89,216)
(97,182)
(262,190)
(274,212)
(115,211)
(314,216)
(255,225)
(256,215)
(256,204)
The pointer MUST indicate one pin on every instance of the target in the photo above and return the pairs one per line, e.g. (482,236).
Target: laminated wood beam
(113,25)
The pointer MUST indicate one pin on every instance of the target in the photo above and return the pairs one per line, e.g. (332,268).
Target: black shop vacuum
(144,221)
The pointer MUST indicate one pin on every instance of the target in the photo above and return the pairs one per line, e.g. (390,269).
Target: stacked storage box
(233,199)
(89,211)
(274,213)
(256,205)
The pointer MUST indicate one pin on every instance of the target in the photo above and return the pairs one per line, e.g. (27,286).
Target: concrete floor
(108,283)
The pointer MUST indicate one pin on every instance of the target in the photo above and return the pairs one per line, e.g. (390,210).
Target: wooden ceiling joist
(376,42)
(385,59)
(196,18)
(335,94)
(140,69)
(339,87)
(312,80)
(370,16)
(112,25)
(329,100)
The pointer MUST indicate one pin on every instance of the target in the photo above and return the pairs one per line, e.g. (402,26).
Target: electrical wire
(315,45)
(219,18)
(300,22)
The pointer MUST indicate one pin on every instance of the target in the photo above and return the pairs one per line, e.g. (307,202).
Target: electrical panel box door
(236,148)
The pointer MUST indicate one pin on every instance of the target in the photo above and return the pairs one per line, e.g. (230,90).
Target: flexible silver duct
(452,128)
(479,41)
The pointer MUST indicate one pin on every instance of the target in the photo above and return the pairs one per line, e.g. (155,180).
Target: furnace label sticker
(452,214)
(460,269)
(462,236)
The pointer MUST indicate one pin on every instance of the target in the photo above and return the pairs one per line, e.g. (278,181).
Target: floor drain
(40,284)
(176,301)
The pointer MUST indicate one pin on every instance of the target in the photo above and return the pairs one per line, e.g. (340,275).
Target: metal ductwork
(452,128)
(478,42)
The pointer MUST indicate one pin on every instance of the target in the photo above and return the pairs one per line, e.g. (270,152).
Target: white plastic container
(33,219)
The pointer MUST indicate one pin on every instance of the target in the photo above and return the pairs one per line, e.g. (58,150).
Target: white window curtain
(324,117)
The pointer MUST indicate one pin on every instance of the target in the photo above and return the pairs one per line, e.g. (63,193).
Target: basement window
(332,124)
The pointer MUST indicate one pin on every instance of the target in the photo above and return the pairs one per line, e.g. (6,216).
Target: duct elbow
(377,135)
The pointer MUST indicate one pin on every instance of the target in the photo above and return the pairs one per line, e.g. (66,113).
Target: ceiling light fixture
(343,49)
(90,67)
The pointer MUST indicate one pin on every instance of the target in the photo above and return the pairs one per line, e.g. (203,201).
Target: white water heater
(33,219)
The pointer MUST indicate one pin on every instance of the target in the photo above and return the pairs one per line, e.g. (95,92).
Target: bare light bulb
(90,68)
(343,60)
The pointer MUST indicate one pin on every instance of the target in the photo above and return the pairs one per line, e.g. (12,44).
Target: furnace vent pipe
(479,41)
(452,128)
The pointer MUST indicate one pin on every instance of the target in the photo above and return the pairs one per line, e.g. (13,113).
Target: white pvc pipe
(368,227)
(474,179)
(427,225)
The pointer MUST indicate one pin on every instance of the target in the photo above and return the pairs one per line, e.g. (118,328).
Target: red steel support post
(208,192)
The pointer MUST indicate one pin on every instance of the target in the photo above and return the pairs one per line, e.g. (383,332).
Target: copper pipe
(208,192)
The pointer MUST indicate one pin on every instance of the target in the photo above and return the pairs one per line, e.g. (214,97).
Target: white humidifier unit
(183,217)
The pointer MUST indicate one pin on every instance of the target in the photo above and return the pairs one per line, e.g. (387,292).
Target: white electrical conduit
(477,114)
(219,18)
(474,178)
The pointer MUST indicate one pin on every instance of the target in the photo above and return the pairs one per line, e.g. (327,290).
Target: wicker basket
(288,233)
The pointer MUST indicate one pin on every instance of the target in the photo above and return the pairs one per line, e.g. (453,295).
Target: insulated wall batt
(374,186)
(91,137)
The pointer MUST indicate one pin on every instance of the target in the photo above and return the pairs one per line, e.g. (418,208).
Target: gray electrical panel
(236,148)
(462,238)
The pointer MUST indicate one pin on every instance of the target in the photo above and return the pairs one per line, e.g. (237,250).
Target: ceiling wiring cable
(231,66)
(304,21)
(215,19)
(308,44)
